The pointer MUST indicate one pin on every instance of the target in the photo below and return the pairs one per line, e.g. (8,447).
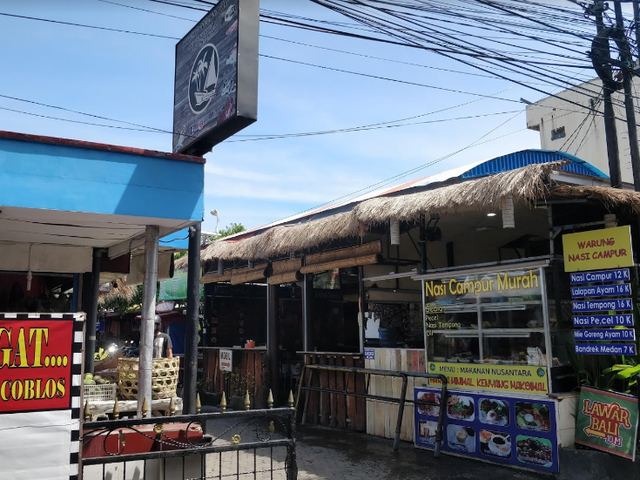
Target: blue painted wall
(61,177)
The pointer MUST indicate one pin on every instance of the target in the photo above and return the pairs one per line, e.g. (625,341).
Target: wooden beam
(244,275)
(213,277)
(286,277)
(343,263)
(285,266)
(344,253)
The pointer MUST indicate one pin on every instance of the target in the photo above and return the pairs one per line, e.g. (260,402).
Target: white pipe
(152,235)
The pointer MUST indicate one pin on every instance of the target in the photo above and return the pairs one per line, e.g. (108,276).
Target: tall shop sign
(35,365)
(594,304)
(598,249)
(216,79)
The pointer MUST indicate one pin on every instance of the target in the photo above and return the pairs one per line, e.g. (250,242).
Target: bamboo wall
(382,416)
(334,410)
(245,361)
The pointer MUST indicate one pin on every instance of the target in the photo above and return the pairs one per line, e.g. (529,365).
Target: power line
(71,24)
(366,128)
(413,170)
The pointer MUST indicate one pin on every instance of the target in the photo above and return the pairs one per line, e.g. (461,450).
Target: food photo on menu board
(431,405)
(460,407)
(495,444)
(427,431)
(493,411)
(533,416)
(534,451)
(461,438)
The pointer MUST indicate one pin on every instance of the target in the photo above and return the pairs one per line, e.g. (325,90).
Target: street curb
(594,465)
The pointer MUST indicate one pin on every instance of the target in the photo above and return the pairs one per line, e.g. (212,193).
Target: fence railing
(225,444)
(368,372)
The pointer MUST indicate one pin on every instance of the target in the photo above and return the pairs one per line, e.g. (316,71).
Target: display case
(492,318)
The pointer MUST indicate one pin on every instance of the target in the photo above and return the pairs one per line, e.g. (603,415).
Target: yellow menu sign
(598,249)
(502,378)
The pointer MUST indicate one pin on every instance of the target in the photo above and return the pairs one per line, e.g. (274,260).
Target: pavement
(324,453)
(338,454)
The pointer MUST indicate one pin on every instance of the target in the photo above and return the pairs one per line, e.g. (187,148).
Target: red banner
(35,365)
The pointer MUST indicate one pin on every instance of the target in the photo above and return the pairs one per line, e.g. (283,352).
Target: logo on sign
(606,420)
(204,78)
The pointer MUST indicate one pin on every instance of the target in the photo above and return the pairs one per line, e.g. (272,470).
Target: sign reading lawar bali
(608,421)
(35,365)
(502,378)
(598,249)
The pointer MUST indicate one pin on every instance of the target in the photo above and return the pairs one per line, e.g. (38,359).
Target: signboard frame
(478,429)
(216,77)
(54,422)
(601,249)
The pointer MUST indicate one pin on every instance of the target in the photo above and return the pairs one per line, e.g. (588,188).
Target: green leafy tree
(230,229)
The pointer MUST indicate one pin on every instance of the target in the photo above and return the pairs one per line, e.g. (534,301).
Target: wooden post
(307,300)
(191,323)
(273,342)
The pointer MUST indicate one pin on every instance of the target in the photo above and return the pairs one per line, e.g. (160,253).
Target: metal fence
(368,373)
(252,444)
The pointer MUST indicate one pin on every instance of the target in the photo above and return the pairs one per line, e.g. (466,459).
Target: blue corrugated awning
(523,158)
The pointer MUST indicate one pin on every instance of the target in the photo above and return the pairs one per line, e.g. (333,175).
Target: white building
(573,121)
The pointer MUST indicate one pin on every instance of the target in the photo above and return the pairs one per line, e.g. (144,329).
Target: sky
(130,77)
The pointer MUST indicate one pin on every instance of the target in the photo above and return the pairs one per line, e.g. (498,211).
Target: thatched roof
(119,288)
(609,197)
(525,185)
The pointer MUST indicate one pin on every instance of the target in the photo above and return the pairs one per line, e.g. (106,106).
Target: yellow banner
(598,249)
(502,378)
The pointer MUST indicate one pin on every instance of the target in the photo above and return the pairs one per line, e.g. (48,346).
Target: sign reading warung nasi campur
(598,249)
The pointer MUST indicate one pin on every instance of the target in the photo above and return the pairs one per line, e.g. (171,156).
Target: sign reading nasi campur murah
(598,249)
(501,282)
(608,421)
(35,365)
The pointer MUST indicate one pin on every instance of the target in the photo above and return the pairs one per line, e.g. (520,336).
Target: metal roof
(523,158)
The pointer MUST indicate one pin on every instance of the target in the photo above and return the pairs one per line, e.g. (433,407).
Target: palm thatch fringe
(119,288)
(609,197)
(526,185)
(283,239)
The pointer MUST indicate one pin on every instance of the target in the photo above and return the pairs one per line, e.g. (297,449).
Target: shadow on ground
(337,454)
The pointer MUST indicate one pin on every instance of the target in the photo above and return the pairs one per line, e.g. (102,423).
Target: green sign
(175,288)
(608,421)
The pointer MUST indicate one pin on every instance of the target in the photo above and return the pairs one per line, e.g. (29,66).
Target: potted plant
(207,397)
(239,385)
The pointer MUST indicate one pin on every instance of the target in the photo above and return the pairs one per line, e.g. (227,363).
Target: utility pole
(636,20)
(627,77)
(601,57)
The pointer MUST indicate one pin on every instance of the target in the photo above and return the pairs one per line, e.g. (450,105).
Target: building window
(557,133)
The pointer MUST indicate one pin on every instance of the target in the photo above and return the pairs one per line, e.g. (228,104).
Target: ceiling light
(491,214)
